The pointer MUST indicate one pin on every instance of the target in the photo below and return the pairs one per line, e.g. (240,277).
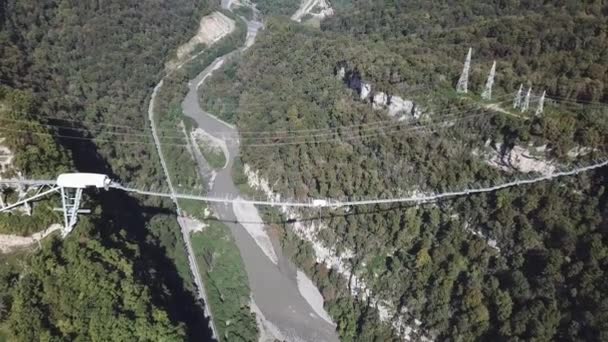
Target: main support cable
(329,203)
(29,199)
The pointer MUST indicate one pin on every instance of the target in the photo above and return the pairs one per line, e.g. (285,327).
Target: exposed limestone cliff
(397,107)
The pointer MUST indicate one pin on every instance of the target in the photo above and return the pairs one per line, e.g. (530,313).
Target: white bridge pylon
(70,187)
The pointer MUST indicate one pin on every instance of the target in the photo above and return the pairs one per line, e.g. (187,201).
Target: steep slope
(90,68)
(82,289)
(431,268)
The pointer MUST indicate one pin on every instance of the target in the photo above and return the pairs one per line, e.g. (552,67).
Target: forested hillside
(81,289)
(35,155)
(89,69)
(567,58)
(543,278)
(97,64)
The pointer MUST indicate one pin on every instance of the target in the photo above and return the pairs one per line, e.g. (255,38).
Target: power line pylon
(541,104)
(518,96)
(526,105)
(463,82)
(487,92)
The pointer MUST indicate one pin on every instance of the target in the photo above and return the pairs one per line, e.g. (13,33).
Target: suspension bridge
(70,186)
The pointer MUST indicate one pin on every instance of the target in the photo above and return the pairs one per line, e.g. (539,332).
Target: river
(273,285)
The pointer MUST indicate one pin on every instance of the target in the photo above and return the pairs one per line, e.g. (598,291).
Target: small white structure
(518,97)
(487,92)
(463,82)
(526,104)
(83,180)
(541,104)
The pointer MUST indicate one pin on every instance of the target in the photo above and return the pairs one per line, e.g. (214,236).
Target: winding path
(183,224)
(9,242)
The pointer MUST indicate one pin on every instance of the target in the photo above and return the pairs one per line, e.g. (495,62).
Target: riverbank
(274,286)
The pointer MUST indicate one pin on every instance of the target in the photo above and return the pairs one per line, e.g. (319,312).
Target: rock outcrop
(380,100)
(212,28)
(314,8)
(520,159)
(366,88)
(341,73)
(398,105)
(400,108)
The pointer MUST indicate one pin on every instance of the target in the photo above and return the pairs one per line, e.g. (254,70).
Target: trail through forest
(10,242)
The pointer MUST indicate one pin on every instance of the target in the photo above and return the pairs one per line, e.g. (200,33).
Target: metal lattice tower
(541,104)
(70,198)
(487,92)
(70,186)
(526,105)
(518,96)
(463,82)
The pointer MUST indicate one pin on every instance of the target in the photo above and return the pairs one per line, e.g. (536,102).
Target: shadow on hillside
(375,209)
(152,266)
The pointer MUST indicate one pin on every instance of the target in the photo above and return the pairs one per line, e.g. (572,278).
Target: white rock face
(212,28)
(417,113)
(579,151)
(365,90)
(339,261)
(398,105)
(307,7)
(380,100)
(521,159)
(341,73)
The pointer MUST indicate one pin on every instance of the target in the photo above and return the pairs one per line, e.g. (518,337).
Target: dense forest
(103,299)
(35,155)
(80,74)
(567,58)
(543,279)
(277,7)
(76,80)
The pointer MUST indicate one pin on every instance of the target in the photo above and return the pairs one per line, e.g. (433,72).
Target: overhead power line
(147,130)
(378,125)
(336,139)
(338,134)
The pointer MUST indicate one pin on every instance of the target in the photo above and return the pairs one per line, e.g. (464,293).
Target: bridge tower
(487,92)
(463,82)
(70,186)
(70,199)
